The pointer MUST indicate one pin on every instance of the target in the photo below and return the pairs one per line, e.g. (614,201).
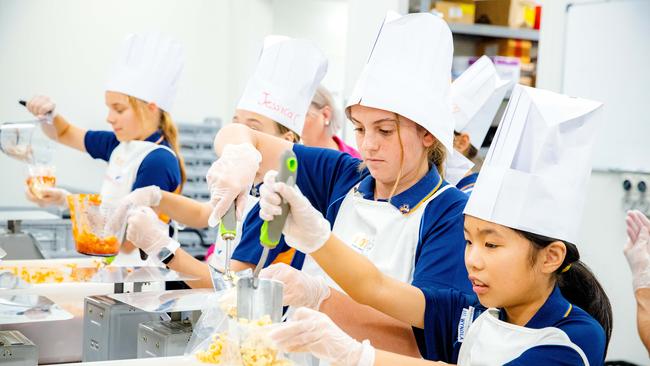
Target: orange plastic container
(88,226)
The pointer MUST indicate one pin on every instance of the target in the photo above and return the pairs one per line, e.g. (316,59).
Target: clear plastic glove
(305,229)
(146,196)
(314,332)
(637,249)
(42,107)
(230,178)
(48,196)
(300,289)
(147,232)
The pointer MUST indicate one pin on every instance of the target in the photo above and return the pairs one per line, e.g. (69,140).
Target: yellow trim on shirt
(568,311)
(427,197)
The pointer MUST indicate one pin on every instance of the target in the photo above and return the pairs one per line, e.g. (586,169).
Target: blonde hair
(283,130)
(168,129)
(436,155)
(323,98)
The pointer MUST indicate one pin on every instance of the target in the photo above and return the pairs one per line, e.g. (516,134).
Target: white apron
(491,341)
(120,175)
(378,230)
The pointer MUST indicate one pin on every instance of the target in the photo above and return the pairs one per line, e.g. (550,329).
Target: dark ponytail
(577,283)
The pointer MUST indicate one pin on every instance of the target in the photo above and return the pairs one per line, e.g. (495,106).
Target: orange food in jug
(87,226)
(37,183)
(89,243)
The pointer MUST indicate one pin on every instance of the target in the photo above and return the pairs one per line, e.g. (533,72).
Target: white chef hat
(148,67)
(535,174)
(408,73)
(475,97)
(456,167)
(285,80)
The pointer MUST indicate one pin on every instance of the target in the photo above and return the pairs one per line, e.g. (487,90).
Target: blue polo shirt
(466,185)
(159,168)
(326,176)
(444,320)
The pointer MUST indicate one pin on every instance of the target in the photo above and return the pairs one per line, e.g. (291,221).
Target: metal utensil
(224,279)
(258,297)
(228,232)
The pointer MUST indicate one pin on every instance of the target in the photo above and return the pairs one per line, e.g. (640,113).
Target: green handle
(228,224)
(272,230)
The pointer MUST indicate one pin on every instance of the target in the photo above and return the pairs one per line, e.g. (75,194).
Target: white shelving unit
(494,31)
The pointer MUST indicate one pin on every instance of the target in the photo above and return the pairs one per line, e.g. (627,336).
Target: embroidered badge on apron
(362,243)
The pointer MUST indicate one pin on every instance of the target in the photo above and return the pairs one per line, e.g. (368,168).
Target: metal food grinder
(259,297)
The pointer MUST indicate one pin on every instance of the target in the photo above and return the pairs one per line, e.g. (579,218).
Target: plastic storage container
(88,222)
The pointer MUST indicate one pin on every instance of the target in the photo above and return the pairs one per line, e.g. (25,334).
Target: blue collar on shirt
(555,308)
(467,182)
(412,197)
(155,137)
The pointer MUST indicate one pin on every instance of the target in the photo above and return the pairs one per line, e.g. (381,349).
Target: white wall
(365,17)
(249,22)
(364,20)
(603,228)
(322,21)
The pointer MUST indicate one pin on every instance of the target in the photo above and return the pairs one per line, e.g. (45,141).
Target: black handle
(143,255)
(23,103)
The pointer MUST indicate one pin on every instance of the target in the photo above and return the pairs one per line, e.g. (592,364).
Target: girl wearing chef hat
(142,149)
(394,205)
(475,98)
(275,102)
(535,302)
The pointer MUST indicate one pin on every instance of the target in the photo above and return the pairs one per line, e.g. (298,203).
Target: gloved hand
(230,178)
(42,107)
(314,332)
(300,289)
(305,228)
(637,249)
(146,196)
(147,232)
(49,196)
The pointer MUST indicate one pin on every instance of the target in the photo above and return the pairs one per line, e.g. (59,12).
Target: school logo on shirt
(362,243)
(465,321)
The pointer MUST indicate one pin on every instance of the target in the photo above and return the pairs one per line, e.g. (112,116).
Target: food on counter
(215,350)
(261,322)
(255,348)
(261,356)
(43,274)
(88,226)
(228,301)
